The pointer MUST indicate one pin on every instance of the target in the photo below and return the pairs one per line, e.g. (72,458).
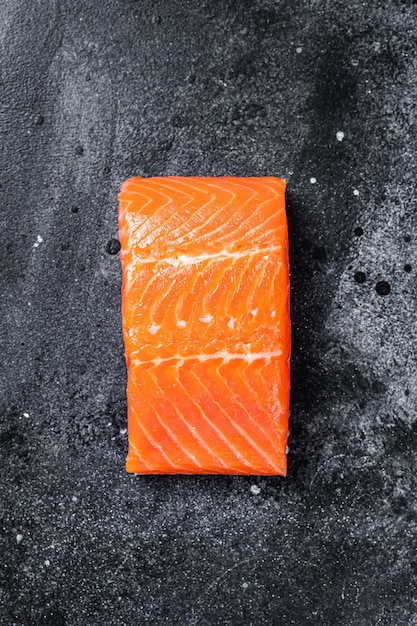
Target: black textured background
(95,91)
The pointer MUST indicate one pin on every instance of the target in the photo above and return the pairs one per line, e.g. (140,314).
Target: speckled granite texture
(321,93)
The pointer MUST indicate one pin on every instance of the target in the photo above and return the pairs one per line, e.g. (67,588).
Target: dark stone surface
(93,92)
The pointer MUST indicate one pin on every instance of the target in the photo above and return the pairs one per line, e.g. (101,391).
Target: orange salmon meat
(206,324)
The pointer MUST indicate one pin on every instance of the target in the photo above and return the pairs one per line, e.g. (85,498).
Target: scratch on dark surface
(211,585)
(195,606)
(325,464)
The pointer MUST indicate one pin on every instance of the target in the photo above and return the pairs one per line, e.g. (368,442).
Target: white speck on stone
(19,538)
(231,323)
(74,499)
(313,180)
(123,431)
(206,319)
(298,50)
(354,62)
(245,585)
(181,323)
(287,450)
(273,313)
(25,414)
(47,562)
(109,424)
(356,192)
(255,490)
(340,135)
(153,329)
(254,312)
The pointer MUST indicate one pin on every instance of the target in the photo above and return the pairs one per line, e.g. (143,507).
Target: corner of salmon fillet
(281,182)
(126,184)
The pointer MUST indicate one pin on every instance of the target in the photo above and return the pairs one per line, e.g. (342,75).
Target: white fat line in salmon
(185,259)
(224,355)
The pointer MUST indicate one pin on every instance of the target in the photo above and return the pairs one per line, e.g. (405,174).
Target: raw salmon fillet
(206,326)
